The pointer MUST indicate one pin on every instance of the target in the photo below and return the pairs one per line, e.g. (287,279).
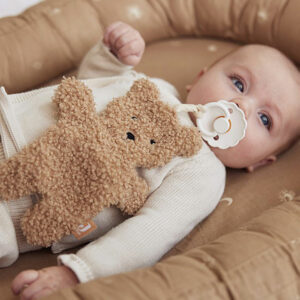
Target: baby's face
(265,85)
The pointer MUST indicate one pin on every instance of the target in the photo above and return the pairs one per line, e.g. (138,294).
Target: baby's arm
(187,195)
(122,48)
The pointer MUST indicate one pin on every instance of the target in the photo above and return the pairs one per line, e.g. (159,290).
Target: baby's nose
(244,105)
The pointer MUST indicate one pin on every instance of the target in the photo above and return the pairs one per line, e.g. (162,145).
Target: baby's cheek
(253,147)
(208,92)
(240,156)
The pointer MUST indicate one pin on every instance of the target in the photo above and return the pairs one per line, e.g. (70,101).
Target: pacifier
(222,124)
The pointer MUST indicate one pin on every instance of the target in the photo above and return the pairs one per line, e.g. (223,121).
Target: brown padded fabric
(52,37)
(177,60)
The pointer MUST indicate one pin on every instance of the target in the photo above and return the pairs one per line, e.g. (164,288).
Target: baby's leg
(8,243)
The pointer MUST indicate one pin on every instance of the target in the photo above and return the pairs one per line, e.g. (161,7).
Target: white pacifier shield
(222,124)
(212,111)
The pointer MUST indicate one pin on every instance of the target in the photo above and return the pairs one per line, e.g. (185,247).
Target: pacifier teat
(222,123)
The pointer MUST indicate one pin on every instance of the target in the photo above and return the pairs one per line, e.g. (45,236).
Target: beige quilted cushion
(51,38)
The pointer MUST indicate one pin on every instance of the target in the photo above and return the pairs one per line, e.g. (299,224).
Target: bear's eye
(152,142)
(134,118)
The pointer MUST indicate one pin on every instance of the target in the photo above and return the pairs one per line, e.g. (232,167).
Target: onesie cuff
(113,58)
(77,265)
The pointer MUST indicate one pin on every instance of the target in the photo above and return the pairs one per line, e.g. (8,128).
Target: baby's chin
(231,157)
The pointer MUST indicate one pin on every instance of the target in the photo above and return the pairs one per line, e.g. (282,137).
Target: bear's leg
(46,222)
(52,218)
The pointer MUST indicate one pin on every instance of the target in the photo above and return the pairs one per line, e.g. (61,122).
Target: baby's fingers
(131,60)
(109,29)
(127,38)
(36,291)
(43,293)
(23,279)
(113,32)
(134,49)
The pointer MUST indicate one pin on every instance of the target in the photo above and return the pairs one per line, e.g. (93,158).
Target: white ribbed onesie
(182,193)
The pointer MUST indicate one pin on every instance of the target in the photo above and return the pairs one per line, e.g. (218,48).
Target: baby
(259,79)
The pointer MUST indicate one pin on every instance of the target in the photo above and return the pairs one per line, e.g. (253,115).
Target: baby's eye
(238,83)
(134,118)
(265,120)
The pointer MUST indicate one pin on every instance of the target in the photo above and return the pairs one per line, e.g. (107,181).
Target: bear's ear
(188,142)
(144,90)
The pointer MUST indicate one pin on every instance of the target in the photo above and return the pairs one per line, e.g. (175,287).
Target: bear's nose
(130,136)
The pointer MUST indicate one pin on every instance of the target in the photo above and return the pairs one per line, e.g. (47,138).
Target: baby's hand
(125,42)
(31,284)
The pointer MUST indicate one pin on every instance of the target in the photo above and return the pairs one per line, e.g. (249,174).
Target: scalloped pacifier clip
(222,123)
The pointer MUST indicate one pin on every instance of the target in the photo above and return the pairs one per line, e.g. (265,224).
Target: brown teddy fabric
(86,162)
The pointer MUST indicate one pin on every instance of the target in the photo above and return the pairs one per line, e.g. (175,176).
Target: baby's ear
(143,89)
(266,161)
(188,142)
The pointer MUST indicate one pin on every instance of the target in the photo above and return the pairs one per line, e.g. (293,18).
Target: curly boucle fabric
(87,161)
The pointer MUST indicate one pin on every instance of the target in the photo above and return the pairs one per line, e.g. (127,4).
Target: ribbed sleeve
(2,156)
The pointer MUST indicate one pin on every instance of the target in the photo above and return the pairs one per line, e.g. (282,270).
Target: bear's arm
(138,195)
(75,102)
